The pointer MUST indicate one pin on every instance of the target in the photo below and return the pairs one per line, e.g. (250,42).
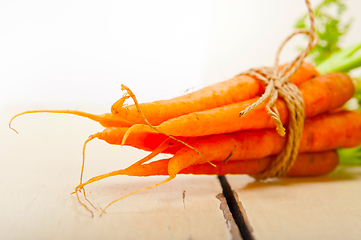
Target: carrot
(239,88)
(314,164)
(138,139)
(320,94)
(306,164)
(305,72)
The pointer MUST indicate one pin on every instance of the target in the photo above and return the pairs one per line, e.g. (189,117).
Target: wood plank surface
(40,167)
(326,207)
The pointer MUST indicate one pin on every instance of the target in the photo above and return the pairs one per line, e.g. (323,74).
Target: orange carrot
(305,72)
(138,139)
(239,88)
(320,94)
(314,164)
(306,164)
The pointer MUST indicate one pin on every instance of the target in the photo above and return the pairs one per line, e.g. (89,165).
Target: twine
(278,84)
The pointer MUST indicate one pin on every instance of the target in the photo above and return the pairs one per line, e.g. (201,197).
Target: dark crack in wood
(231,224)
(234,207)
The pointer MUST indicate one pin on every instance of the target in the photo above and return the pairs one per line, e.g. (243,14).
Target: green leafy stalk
(342,61)
(327,54)
(357,94)
(329,29)
(350,156)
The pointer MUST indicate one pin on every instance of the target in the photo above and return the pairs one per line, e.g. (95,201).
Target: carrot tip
(102,119)
(13,129)
(11,120)
(137,191)
(81,203)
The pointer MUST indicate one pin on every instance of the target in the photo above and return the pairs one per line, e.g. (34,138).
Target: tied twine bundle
(278,84)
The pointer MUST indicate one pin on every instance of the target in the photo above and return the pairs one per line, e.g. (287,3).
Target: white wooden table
(40,167)
(325,207)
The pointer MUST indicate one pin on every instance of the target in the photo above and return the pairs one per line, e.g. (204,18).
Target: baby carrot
(239,88)
(138,139)
(306,164)
(320,94)
(305,72)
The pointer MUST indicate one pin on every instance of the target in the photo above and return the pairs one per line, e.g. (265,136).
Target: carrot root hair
(91,137)
(137,191)
(94,117)
(80,187)
(139,127)
(81,203)
(154,153)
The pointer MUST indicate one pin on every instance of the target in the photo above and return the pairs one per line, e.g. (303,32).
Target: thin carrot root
(138,127)
(86,198)
(126,171)
(81,203)
(140,190)
(91,137)
(163,146)
(106,120)
(129,169)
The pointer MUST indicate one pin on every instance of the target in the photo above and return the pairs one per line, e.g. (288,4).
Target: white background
(76,54)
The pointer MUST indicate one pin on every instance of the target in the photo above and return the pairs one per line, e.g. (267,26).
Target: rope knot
(278,84)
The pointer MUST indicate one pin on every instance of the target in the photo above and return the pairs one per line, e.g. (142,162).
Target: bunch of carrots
(205,135)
